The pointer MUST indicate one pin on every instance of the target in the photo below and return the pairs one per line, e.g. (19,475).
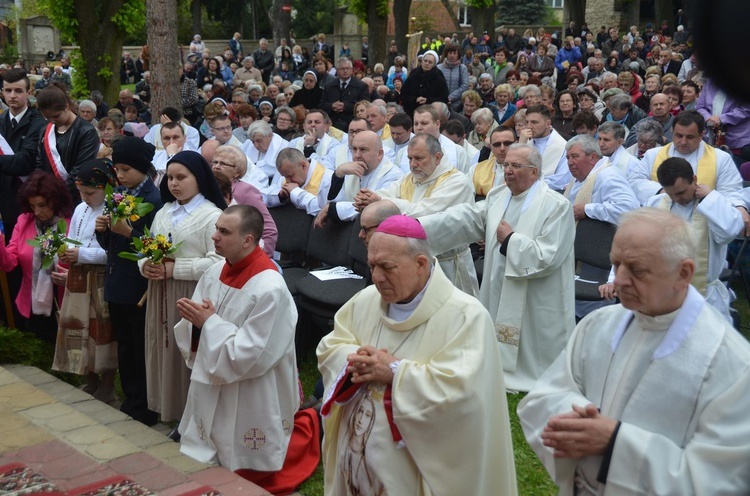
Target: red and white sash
(53,156)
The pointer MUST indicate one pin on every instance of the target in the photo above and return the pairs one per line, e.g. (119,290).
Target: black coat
(124,283)
(79,144)
(23,140)
(355,91)
(310,99)
(430,85)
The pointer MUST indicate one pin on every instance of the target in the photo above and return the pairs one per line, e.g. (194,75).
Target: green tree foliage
(313,16)
(526,12)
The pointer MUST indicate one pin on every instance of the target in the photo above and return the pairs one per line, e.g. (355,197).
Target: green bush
(25,349)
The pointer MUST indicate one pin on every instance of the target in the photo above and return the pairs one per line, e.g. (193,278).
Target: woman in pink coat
(44,200)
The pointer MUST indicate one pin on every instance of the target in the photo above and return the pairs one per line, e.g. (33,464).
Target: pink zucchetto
(403,226)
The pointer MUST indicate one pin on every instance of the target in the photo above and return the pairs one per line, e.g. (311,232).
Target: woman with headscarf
(44,201)
(85,343)
(309,95)
(426,84)
(192,204)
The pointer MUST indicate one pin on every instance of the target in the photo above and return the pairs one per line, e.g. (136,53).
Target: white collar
(190,206)
(20,114)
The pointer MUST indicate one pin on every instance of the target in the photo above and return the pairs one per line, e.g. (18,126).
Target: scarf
(42,294)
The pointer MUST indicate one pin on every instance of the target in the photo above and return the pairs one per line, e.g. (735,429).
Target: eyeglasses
(283,119)
(222,129)
(367,230)
(498,144)
(219,163)
(516,167)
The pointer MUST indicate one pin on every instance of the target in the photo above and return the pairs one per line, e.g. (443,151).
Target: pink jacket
(18,252)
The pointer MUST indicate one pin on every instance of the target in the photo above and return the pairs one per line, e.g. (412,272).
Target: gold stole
(706,170)
(335,133)
(408,187)
(699,223)
(484,176)
(313,185)
(386,134)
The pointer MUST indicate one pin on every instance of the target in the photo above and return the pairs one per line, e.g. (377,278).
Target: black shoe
(174,435)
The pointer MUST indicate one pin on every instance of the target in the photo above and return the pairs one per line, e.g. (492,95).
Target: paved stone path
(72,439)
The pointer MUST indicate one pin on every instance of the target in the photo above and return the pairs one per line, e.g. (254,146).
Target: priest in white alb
(650,396)
(415,401)
(528,283)
(237,334)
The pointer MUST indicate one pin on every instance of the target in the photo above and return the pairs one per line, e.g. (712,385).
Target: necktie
(343,87)
(13,122)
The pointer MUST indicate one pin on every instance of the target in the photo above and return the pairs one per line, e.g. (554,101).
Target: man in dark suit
(22,137)
(340,96)
(667,65)
(264,60)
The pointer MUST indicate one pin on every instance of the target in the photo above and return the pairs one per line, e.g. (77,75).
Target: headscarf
(434,54)
(313,75)
(96,173)
(198,166)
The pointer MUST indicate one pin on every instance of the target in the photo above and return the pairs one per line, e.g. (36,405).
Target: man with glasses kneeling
(528,283)
(490,173)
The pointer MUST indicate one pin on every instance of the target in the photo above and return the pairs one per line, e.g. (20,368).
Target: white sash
(5,148)
(53,156)
(352,183)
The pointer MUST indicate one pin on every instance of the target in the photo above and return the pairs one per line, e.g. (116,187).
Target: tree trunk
(483,21)
(101,46)
(377,28)
(451,14)
(195,11)
(401,17)
(281,20)
(664,9)
(161,28)
(634,13)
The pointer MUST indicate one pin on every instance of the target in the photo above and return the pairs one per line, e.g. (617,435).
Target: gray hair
(443,110)
(255,87)
(587,143)
(616,129)
(608,75)
(380,108)
(288,111)
(399,108)
(237,157)
(482,114)
(485,76)
(259,127)
(530,89)
(344,60)
(620,102)
(472,80)
(535,158)
(87,103)
(433,144)
(416,247)
(291,155)
(250,58)
(648,128)
(676,236)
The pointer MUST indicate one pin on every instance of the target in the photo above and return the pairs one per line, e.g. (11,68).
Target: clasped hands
(579,433)
(195,313)
(370,364)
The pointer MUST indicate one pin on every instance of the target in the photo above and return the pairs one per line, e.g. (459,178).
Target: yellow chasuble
(407,185)
(706,170)
(699,224)
(336,133)
(484,176)
(313,185)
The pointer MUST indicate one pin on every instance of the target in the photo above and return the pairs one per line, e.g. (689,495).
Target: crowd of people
(469,174)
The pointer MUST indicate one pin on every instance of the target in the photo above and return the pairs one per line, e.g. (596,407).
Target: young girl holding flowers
(85,345)
(192,204)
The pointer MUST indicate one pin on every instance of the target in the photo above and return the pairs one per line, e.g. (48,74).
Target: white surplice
(380,177)
(447,396)
(677,382)
(611,196)
(243,387)
(535,278)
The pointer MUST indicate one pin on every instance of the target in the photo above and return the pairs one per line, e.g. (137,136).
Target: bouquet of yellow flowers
(120,205)
(155,247)
(53,242)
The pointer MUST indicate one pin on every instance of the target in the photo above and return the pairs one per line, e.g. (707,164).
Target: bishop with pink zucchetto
(413,381)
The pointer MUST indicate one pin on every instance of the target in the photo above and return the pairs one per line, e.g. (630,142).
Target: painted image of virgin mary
(356,472)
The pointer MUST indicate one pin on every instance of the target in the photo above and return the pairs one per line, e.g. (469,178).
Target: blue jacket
(573,56)
(123,283)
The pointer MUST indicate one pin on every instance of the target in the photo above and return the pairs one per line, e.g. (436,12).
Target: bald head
(372,215)
(209,149)
(367,148)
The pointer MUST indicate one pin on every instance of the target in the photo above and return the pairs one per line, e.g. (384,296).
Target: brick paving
(73,440)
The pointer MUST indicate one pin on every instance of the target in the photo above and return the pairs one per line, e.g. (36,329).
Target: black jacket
(430,85)
(23,140)
(79,144)
(123,282)
(355,91)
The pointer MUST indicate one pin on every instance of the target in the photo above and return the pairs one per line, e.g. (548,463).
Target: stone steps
(73,439)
